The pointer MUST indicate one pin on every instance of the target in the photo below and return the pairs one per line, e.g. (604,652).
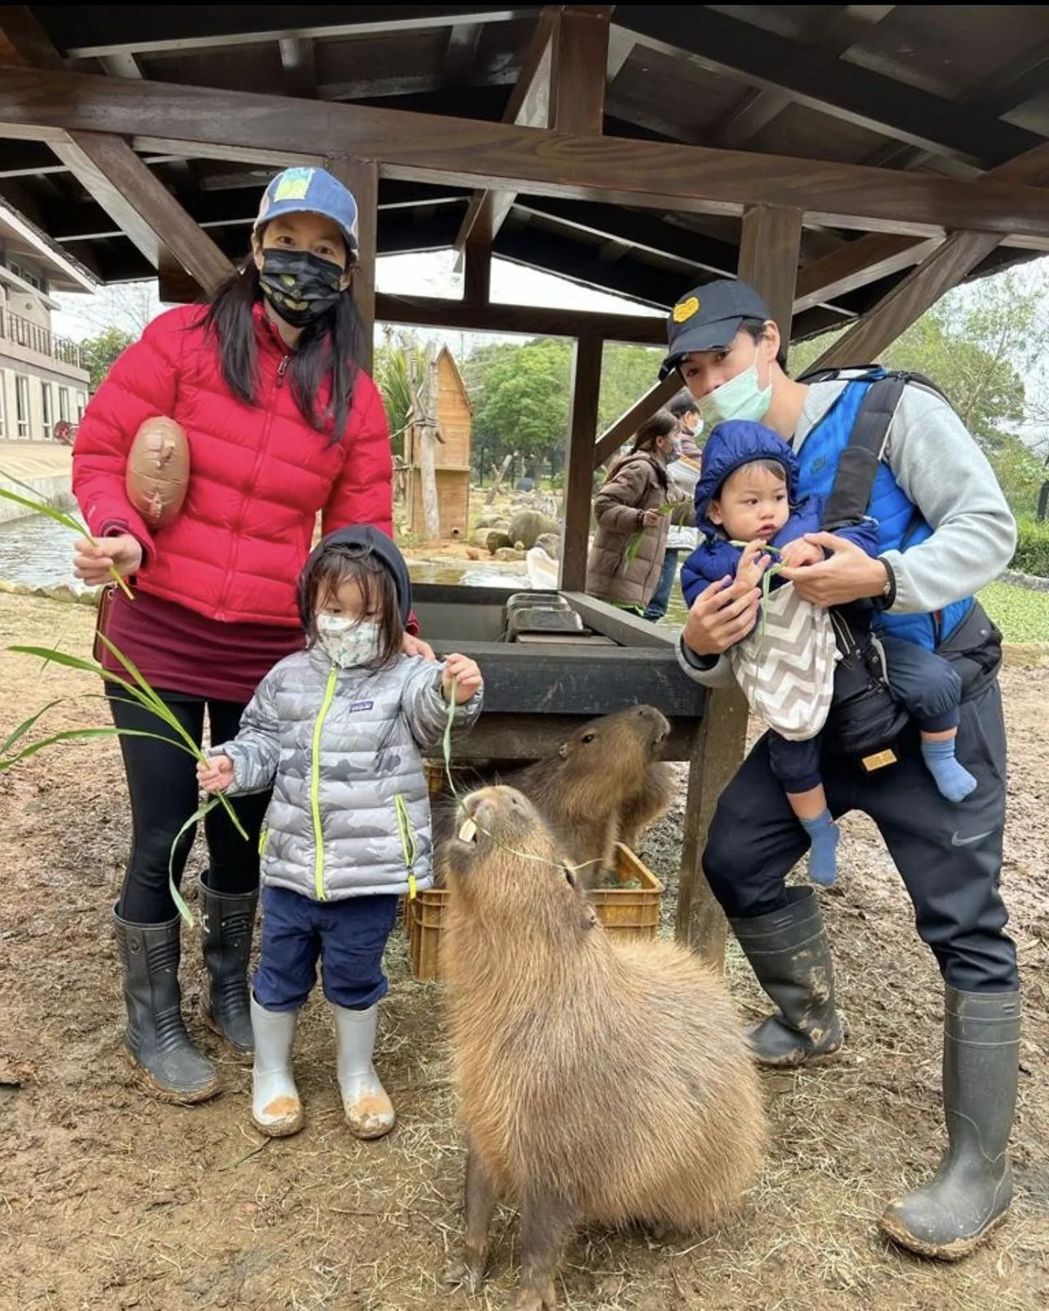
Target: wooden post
(630,420)
(426,405)
(478,273)
(579,482)
(768,260)
(361,177)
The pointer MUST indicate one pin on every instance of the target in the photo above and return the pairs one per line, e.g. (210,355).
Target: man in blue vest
(945,531)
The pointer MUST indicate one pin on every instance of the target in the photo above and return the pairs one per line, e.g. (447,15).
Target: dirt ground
(108,1199)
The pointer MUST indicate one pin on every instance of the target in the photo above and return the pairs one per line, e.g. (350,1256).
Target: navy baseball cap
(708,317)
(310,191)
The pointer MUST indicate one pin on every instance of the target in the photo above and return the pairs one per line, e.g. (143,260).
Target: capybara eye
(569,877)
(587,737)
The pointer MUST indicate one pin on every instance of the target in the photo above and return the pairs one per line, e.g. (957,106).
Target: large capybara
(605,784)
(599,1081)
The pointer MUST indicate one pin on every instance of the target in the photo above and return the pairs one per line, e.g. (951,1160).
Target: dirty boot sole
(955,1251)
(169,1095)
(283,1128)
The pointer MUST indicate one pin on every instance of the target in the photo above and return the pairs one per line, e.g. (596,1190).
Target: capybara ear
(156,476)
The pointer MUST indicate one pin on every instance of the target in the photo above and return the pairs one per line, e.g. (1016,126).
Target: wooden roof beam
(948,265)
(528,320)
(725,44)
(114,176)
(203,123)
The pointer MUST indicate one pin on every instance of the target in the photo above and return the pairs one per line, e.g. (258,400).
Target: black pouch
(864,718)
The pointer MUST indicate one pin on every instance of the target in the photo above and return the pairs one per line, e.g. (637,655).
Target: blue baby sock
(954,782)
(823,865)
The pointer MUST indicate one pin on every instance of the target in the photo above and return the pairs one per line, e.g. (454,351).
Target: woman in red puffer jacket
(281,424)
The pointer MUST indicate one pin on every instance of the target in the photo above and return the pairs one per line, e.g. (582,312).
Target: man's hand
(849,575)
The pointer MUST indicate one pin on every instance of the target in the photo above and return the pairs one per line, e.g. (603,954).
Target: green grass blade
(194,819)
(23,728)
(49,511)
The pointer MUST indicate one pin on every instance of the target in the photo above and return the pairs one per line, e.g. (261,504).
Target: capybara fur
(599,1081)
(603,785)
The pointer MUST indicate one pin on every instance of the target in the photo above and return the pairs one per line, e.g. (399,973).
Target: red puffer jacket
(258,474)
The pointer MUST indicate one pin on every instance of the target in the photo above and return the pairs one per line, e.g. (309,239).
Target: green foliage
(1021,613)
(520,395)
(1032,548)
(100,352)
(393,377)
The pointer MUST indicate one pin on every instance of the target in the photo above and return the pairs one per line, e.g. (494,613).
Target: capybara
(599,1081)
(603,785)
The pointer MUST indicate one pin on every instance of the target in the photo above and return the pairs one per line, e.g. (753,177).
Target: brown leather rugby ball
(157,475)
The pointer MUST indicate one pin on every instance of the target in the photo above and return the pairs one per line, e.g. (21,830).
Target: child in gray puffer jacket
(337,730)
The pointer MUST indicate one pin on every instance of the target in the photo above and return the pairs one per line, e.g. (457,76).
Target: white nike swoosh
(956,841)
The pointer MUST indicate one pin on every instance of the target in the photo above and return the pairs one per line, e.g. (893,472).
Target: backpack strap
(850,496)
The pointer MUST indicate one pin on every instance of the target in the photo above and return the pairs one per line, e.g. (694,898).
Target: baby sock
(823,865)
(954,782)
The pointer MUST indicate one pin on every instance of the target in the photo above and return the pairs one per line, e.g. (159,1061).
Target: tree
(100,352)
(520,396)
(393,376)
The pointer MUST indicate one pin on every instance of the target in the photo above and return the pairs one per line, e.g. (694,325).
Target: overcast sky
(418,275)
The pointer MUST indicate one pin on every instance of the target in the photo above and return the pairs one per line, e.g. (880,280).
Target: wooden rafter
(115,177)
(883,104)
(248,127)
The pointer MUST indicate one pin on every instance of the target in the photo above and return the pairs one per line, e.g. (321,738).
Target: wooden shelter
(453,416)
(853,161)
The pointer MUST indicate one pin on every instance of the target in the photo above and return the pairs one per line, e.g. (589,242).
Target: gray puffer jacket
(350,815)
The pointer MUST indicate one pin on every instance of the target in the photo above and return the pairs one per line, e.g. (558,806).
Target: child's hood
(730,446)
(367,538)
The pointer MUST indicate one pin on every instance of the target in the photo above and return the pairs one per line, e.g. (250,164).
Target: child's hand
(799,552)
(752,563)
(216,775)
(467,678)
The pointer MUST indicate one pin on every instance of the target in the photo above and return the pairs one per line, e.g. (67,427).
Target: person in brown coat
(632,500)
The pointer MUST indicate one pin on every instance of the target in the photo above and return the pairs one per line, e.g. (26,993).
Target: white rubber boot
(275,1106)
(369,1111)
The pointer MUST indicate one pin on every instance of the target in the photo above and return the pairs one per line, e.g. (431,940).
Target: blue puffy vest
(900,523)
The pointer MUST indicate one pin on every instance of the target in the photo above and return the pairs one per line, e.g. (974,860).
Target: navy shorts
(348,936)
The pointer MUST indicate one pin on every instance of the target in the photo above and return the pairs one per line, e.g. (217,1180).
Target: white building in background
(42,378)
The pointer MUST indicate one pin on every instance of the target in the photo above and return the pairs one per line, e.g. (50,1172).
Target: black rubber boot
(227,924)
(971,1190)
(789,953)
(167,1062)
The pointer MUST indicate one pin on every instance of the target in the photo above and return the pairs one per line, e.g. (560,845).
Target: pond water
(38,552)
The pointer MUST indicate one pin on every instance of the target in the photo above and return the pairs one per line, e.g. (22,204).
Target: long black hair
(329,348)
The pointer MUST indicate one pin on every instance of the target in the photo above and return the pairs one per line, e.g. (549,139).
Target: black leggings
(162,782)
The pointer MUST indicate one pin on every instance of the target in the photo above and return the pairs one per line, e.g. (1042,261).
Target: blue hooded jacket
(732,445)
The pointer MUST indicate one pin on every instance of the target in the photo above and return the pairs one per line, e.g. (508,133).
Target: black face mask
(300,286)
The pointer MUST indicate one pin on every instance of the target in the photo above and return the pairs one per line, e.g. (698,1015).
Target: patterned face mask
(299,285)
(348,642)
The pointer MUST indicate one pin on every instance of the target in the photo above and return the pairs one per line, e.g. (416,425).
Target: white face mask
(742,397)
(348,642)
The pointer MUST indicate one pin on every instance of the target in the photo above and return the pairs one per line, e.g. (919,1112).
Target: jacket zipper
(282,369)
(408,845)
(315,785)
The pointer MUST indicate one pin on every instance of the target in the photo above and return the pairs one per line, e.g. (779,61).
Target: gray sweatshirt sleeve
(941,469)
(255,751)
(711,671)
(425,709)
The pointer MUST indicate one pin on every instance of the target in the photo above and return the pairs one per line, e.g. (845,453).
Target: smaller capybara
(599,1082)
(605,784)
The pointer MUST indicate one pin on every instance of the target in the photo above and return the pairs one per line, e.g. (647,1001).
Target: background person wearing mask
(683,472)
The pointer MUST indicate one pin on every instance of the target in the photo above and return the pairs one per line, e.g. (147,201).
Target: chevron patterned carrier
(786,666)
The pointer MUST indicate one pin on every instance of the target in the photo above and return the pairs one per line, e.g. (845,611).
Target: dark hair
(683,403)
(756,329)
(661,424)
(339,564)
(769,465)
(328,349)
